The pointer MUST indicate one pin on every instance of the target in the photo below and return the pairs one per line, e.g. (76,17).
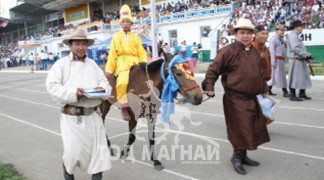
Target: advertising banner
(310,37)
(76,13)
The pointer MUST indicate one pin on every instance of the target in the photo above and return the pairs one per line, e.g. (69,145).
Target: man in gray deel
(277,47)
(299,77)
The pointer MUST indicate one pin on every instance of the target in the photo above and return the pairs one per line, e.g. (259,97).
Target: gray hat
(280,27)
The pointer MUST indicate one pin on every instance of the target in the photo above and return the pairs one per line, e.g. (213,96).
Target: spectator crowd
(11,56)
(266,12)
(273,12)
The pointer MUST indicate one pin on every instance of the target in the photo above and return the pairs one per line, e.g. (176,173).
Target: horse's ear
(163,53)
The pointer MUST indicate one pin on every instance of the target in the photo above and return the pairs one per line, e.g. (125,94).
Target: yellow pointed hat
(125,12)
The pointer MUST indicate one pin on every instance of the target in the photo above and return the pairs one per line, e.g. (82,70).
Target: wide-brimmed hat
(280,27)
(296,24)
(79,34)
(125,12)
(244,24)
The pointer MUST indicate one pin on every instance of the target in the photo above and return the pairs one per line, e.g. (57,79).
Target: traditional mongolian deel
(126,50)
(83,134)
(242,80)
(298,74)
(265,57)
(277,47)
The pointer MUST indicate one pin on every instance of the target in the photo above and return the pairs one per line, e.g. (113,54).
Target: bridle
(181,91)
(163,76)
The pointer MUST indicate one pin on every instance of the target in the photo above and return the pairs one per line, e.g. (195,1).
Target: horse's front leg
(104,109)
(151,135)
(131,137)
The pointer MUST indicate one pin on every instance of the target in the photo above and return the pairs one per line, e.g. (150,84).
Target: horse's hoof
(159,167)
(123,155)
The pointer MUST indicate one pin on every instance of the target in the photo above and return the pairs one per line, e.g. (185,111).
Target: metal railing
(204,12)
(172,17)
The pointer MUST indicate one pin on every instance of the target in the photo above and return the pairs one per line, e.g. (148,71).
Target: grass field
(318,69)
(8,172)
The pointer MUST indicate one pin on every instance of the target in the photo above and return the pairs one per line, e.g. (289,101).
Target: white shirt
(243,6)
(194,50)
(224,31)
(31,57)
(51,57)
(316,7)
(167,49)
(183,47)
(172,51)
(43,56)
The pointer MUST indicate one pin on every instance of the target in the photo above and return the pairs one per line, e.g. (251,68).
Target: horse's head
(184,75)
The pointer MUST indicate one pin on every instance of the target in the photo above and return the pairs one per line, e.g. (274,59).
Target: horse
(145,83)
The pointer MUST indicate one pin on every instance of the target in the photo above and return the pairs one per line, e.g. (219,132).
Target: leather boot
(246,160)
(237,162)
(302,94)
(66,175)
(293,96)
(97,176)
(285,93)
(270,92)
(125,114)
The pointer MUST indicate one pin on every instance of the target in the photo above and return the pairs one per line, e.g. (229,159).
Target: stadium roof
(31,8)
(58,4)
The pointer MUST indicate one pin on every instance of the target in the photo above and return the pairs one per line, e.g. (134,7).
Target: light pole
(153,30)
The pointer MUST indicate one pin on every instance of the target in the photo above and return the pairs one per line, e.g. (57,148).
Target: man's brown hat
(79,34)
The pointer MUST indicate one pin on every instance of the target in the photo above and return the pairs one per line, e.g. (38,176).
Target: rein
(205,92)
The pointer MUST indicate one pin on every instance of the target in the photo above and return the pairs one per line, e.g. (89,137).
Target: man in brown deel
(261,37)
(240,66)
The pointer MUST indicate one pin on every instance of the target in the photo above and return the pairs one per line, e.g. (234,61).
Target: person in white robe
(82,129)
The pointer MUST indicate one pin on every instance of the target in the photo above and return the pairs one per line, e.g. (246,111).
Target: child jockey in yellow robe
(126,50)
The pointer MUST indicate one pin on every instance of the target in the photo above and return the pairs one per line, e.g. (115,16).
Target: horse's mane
(152,67)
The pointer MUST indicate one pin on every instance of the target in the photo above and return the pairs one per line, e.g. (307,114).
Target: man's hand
(80,93)
(210,93)
(207,91)
(309,54)
(109,75)
(100,89)
(265,94)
